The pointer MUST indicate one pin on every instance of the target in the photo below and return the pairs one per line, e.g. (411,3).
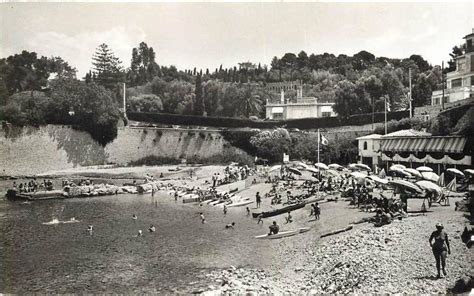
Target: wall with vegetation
(30,150)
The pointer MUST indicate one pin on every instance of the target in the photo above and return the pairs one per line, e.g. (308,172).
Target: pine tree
(107,67)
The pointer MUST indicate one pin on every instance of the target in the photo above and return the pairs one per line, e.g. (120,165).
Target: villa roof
(407,133)
(369,137)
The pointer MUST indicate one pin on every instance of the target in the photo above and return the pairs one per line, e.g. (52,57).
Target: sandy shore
(393,259)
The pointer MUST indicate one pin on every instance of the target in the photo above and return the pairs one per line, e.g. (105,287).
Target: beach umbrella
(469,172)
(430,176)
(382,174)
(401,172)
(333,172)
(441,181)
(335,166)
(424,169)
(413,172)
(294,171)
(397,167)
(455,172)
(452,185)
(275,167)
(430,186)
(352,166)
(378,179)
(302,164)
(312,170)
(405,185)
(321,166)
(358,175)
(363,167)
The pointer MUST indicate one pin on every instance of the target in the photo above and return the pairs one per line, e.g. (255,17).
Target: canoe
(240,203)
(279,211)
(283,233)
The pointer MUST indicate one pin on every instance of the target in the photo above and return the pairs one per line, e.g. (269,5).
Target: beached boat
(279,211)
(196,198)
(240,203)
(283,233)
(38,195)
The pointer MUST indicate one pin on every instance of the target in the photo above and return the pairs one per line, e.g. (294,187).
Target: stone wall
(30,150)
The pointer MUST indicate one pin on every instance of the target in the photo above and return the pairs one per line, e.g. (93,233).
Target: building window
(456,83)
(445,99)
(426,117)
(326,114)
(277,116)
(365,145)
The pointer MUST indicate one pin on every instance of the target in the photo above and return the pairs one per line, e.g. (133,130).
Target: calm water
(64,258)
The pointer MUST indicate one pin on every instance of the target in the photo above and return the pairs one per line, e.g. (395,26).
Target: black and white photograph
(236,148)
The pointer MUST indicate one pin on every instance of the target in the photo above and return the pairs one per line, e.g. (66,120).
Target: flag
(324,141)
(388,105)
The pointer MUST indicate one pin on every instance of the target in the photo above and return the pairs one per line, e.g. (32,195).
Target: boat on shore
(283,233)
(279,211)
(13,194)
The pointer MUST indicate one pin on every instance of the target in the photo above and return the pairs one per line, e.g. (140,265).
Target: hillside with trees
(37,90)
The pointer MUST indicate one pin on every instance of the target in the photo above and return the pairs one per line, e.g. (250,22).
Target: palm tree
(250,103)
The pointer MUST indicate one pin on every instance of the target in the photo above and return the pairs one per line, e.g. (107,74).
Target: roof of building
(369,137)
(469,35)
(407,133)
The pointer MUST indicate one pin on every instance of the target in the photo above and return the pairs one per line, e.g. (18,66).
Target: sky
(206,35)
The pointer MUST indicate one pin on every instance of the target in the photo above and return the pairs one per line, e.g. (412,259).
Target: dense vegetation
(39,90)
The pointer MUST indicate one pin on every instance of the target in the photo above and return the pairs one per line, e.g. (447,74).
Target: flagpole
(319,137)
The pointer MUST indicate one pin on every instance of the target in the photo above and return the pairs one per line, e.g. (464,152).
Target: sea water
(45,246)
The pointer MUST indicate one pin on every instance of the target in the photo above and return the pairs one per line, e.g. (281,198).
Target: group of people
(33,186)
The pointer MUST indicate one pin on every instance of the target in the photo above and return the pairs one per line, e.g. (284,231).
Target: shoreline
(391,259)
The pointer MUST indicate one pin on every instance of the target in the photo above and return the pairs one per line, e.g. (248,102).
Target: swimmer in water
(152,228)
(134,217)
(90,228)
(140,233)
(230,226)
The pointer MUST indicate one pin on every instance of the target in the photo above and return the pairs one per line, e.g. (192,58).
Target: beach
(186,256)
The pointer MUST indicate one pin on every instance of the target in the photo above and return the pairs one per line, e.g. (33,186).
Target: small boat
(240,203)
(279,211)
(13,194)
(283,233)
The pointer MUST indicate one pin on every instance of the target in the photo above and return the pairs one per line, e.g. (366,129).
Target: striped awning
(418,145)
(435,145)
(455,145)
(388,145)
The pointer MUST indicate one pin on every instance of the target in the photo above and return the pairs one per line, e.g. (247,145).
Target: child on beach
(260,219)
(203,220)
(248,211)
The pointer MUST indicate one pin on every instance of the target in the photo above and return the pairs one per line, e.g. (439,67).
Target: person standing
(225,209)
(317,211)
(203,220)
(258,199)
(439,247)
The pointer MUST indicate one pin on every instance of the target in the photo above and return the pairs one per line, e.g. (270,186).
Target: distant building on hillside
(459,83)
(299,107)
